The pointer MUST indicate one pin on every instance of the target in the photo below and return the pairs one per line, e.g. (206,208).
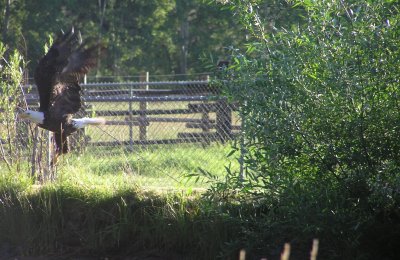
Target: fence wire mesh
(152,128)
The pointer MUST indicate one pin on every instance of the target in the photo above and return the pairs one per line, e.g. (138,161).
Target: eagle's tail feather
(82,122)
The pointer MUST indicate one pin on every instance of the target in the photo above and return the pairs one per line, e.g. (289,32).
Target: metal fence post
(130,118)
(143,109)
(34,151)
(242,152)
(79,140)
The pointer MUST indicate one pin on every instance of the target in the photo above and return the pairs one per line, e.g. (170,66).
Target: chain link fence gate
(153,129)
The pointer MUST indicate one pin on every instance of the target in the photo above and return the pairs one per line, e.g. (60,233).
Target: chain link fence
(152,128)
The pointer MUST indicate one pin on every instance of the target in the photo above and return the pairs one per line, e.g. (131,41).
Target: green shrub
(321,127)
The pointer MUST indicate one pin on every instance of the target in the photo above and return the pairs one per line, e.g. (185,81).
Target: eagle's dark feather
(62,142)
(57,79)
(58,74)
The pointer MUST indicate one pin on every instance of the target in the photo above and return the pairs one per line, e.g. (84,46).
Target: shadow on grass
(69,219)
(58,220)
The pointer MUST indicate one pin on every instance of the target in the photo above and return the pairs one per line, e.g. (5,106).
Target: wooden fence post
(224,120)
(143,108)
(205,123)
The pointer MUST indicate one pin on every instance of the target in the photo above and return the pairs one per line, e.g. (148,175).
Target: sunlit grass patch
(162,166)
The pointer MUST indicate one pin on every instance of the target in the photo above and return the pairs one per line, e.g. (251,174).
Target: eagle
(57,78)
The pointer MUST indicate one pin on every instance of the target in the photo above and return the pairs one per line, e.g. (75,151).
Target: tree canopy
(163,37)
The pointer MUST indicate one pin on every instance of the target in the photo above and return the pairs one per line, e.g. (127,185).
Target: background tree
(13,13)
(164,37)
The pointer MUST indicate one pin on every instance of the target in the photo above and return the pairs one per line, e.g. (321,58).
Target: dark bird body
(57,78)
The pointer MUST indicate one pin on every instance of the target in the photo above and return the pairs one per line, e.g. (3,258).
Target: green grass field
(110,199)
(153,167)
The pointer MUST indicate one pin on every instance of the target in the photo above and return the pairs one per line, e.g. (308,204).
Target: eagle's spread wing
(58,74)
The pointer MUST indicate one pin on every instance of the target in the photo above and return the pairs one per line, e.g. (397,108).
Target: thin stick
(314,250)
(3,155)
(286,252)
(242,254)
(33,159)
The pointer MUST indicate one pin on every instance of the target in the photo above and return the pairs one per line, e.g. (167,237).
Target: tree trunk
(185,44)
(6,21)
(102,10)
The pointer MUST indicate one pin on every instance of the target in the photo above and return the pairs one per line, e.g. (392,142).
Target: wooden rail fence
(198,96)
